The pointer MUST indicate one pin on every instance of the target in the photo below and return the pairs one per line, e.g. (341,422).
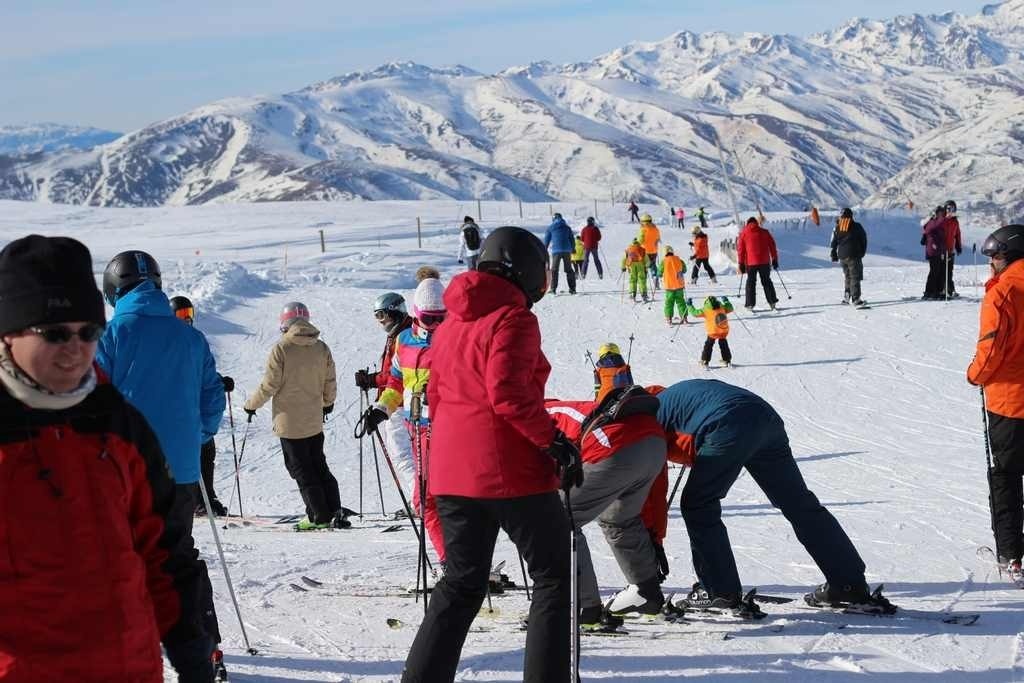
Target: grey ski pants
(853,273)
(613,493)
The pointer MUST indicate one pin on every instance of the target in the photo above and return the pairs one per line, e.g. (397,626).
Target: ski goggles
(432,319)
(62,334)
(188,314)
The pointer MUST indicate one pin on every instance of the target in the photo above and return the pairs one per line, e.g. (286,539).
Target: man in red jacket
(495,459)
(621,460)
(757,257)
(591,236)
(953,247)
(95,570)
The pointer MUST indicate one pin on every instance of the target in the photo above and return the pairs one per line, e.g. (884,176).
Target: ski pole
(590,357)
(380,486)
(522,567)
(740,321)
(739,290)
(974,250)
(362,407)
(945,275)
(401,493)
(227,576)
(783,283)
(238,469)
(415,408)
(574,617)
(675,487)
(234,452)
(988,459)
(629,353)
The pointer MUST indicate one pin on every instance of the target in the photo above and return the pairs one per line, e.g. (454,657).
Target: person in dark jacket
(495,459)
(634,212)
(934,242)
(757,257)
(720,430)
(560,240)
(166,371)
(591,236)
(848,246)
(98,568)
(954,247)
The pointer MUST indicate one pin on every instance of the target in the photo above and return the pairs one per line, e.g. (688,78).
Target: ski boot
(597,619)
(646,298)
(704,364)
(750,309)
(670,321)
(850,598)
(218,508)
(340,520)
(846,298)
(645,598)
(1013,571)
(220,672)
(700,600)
(714,281)
(305,524)
(772,306)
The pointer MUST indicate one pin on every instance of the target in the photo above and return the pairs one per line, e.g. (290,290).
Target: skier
(183,310)
(998,367)
(636,262)
(301,383)
(497,460)
(591,236)
(848,246)
(716,322)
(390,311)
(953,247)
(702,217)
(720,430)
(611,371)
(634,212)
(559,238)
(407,383)
(469,242)
(650,238)
(680,215)
(934,242)
(757,256)
(105,567)
(577,258)
(700,256)
(622,456)
(673,273)
(166,371)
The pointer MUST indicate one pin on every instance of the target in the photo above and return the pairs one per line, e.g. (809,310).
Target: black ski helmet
(518,256)
(1007,241)
(846,213)
(183,309)
(126,270)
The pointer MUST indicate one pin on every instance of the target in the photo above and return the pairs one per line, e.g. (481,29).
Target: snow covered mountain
(920,107)
(50,137)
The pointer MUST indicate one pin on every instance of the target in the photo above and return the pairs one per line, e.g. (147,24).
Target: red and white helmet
(292,311)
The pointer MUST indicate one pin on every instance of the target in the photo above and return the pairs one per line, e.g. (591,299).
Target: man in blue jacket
(722,429)
(167,372)
(560,240)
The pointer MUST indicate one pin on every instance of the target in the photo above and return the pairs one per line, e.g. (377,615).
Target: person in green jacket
(716,322)
(577,258)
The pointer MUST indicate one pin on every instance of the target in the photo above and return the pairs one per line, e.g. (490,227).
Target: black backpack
(471,234)
(618,405)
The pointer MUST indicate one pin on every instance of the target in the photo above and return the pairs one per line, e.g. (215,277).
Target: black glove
(659,552)
(959,251)
(370,418)
(834,256)
(192,660)
(690,243)
(229,384)
(924,240)
(327,411)
(743,269)
(623,270)
(460,261)
(775,264)
(250,413)
(570,465)
(365,380)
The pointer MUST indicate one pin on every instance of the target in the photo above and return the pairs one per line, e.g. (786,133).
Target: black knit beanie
(45,280)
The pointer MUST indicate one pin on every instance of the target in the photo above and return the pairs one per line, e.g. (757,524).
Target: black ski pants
(753,436)
(697,263)
(764,272)
(307,465)
(570,277)
(709,346)
(592,254)
(934,285)
(950,262)
(1006,484)
(183,512)
(540,529)
(207,457)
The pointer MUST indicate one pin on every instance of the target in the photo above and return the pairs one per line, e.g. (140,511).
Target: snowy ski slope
(886,430)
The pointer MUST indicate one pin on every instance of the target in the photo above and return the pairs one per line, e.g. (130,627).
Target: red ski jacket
(93,570)
(590,235)
(486,394)
(756,246)
(953,234)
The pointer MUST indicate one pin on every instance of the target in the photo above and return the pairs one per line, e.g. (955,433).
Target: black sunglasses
(432,318)
(61,334)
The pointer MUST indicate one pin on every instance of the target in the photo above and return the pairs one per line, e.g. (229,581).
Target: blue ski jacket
(719,417)
(559,237)
(165,369)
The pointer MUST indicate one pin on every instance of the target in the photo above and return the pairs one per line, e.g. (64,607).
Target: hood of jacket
(473,294)
(146,300)
(301,332)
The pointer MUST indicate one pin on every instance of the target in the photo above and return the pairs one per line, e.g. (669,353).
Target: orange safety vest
(635,254)
(649,237)
(606,379)
(716,323)
(675,272)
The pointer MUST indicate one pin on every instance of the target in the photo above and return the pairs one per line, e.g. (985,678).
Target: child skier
(635,261)
(650,238)
(610,371)
(716,322)
(701,255)
(577,258)
(673,273)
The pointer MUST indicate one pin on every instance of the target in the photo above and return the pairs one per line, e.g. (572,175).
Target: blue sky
(121,65)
